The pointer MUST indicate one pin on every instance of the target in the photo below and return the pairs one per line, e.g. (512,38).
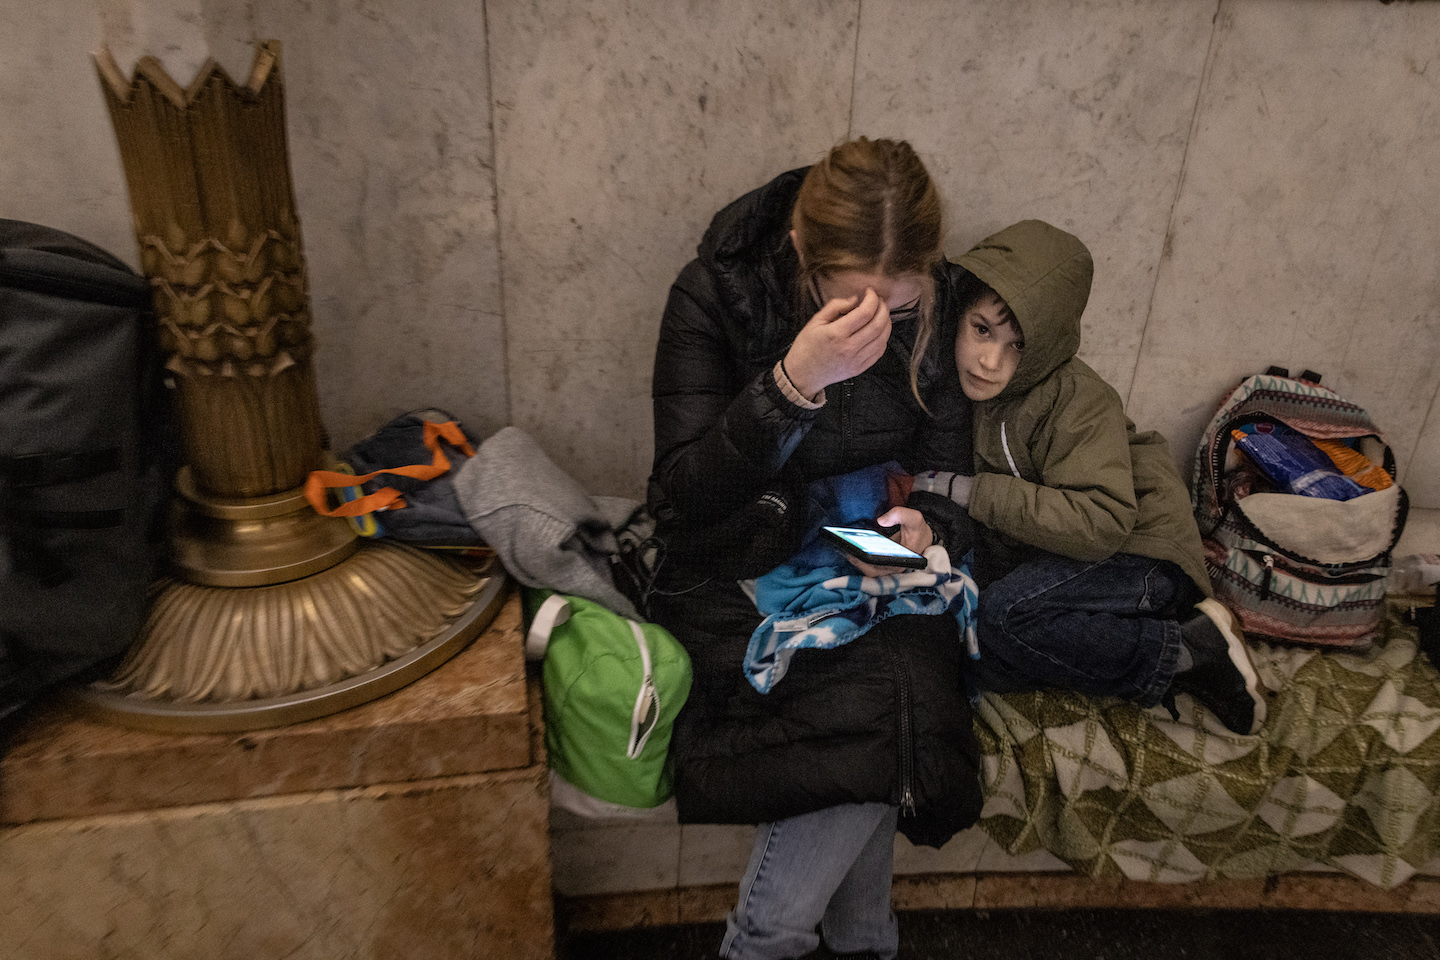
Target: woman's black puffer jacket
(884,718)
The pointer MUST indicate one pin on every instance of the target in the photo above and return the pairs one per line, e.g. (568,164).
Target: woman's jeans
(832,869)
(1104,629)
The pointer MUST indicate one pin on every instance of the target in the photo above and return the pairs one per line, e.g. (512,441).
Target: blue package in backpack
(1293,463)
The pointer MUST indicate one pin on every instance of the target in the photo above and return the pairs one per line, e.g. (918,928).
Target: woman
(794,348)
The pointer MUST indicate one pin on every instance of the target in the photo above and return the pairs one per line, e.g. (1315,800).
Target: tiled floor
(1085,935)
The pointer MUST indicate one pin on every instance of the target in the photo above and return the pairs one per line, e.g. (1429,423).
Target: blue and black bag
(397,483)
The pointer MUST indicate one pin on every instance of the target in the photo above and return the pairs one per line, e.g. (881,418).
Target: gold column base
(216,659)
(252,541)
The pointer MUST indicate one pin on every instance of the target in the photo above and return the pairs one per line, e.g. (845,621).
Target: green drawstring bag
(612,689)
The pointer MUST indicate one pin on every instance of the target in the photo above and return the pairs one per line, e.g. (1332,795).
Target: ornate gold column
(276,614)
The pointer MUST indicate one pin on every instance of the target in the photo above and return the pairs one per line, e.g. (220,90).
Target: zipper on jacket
(1269,561)
(1005,444)
(906,738)
(845,388)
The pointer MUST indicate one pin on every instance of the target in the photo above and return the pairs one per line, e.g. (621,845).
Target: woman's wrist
(793,393)
(799,369)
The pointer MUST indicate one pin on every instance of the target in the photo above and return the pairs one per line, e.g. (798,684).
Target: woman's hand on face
(843,339)
(914,533)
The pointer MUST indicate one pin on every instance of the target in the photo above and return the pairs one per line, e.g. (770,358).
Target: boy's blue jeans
(1104,629)
(832,869)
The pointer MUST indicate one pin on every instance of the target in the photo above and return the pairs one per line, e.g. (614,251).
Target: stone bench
(653,871)
(419,825)
(414,826)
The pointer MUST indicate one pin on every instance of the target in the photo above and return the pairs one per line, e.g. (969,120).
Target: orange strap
(387,497)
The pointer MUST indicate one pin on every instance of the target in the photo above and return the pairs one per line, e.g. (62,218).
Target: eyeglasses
(911,311)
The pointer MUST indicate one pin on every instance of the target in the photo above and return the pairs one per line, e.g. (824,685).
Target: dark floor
(1086,935)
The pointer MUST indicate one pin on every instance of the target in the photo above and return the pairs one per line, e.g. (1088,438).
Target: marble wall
(389,113)
(392,154)
(620,128)
(453,867)
(496,196)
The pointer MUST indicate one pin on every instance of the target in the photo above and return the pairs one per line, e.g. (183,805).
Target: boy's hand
(843,339)
(914,533)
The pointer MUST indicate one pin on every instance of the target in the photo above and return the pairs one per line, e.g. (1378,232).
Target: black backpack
(84,468)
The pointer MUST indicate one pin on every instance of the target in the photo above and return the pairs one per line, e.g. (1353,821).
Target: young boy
(1090,564)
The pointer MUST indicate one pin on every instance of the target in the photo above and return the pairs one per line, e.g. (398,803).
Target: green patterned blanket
(1346,773)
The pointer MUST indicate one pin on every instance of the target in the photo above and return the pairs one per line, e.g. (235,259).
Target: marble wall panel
(615,857)
(714,853)
(444,868)
(959,855)
(1300,231)
(621,128)
(1071,111)
(1422,481)
(390,144)
(59,165)
(389,117)
(1305,232)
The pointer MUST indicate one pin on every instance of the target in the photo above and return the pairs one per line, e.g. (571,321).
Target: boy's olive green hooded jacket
(1058,464)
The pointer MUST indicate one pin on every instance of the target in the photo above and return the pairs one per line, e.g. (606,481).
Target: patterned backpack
(1297,568)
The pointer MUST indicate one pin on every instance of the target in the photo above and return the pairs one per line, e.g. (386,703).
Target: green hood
(1044,274)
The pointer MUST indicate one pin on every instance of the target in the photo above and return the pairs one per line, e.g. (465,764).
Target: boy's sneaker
(1222,676)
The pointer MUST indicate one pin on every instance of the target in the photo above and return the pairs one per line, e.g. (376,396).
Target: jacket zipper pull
(1269,562)
(904,736)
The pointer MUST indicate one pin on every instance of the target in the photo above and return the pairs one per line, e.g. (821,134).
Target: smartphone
(872,547)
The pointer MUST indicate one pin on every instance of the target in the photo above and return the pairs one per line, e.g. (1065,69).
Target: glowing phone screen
(876,544)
